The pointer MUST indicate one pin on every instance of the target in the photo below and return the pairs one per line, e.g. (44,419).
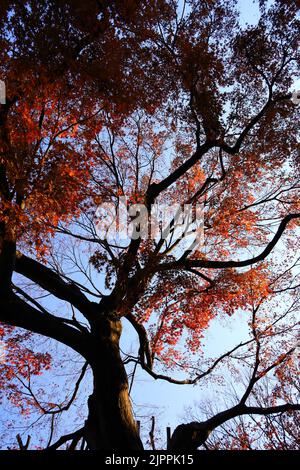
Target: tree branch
(53,283)
(188,437)
(67,437)
(185,263)
(16,312)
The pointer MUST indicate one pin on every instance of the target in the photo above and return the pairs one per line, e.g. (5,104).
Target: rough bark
(110,424)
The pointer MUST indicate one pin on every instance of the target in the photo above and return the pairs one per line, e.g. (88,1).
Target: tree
(158,103)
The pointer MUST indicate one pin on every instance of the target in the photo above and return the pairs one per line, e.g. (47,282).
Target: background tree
(159,103)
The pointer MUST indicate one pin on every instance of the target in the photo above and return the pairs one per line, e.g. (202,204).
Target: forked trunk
(110,424)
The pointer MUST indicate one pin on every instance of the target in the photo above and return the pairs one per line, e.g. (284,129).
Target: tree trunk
(110,424)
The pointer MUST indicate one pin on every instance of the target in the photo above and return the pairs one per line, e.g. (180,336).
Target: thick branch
(16,312)
(185,263)
(156,188)
(52,282)
(68,437)
(144,350)
(188,437)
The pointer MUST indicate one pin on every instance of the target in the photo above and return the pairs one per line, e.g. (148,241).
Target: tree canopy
(157,103)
